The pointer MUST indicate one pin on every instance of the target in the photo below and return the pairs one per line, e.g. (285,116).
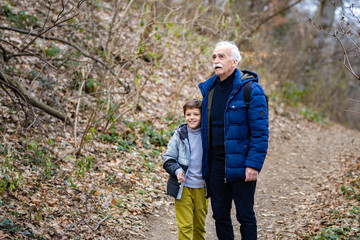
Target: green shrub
(292,94)
(21,19)
(10,177)
(52,52)
(149,135)
(313,115)
(348,215)
(334,233)
(352,190)
(109,137)
(91,85)
(83,164)
(8,226)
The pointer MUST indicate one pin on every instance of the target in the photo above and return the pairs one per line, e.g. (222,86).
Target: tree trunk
(324,18)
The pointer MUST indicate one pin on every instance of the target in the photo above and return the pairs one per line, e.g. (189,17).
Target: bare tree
(43,32)
(345,31)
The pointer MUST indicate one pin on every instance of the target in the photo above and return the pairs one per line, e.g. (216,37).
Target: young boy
(183,161)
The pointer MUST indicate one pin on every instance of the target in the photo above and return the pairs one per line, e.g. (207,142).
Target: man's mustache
(218,65)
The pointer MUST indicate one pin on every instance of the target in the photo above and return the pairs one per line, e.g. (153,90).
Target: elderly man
(235,141)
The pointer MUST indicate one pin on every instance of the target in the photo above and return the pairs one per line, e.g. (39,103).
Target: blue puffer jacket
(246,133)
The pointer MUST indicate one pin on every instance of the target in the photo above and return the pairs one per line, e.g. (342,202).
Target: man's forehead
(221,50)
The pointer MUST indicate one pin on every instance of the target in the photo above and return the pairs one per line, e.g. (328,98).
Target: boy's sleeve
(171,156)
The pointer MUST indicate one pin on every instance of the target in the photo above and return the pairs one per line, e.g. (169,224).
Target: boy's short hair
(192,103)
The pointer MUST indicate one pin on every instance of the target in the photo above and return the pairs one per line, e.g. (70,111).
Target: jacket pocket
(237,112)
(172,186)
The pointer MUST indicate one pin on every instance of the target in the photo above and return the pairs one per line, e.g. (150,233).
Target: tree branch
(39,34)
(124,84)
(346,61)
(33,101)
(11,44)
(4,53)
(263,21)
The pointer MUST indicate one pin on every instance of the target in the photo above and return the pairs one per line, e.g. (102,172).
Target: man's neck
(222,78)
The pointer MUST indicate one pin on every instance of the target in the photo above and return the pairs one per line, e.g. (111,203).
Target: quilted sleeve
(258,128)
(171,156)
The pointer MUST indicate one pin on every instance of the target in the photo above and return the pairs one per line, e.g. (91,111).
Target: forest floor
(299,187)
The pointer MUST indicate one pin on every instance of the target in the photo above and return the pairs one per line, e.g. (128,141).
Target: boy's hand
(180,176)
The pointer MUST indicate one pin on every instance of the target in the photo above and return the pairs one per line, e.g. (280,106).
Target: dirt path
(300,155)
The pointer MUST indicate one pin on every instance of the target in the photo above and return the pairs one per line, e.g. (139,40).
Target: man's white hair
(234,49)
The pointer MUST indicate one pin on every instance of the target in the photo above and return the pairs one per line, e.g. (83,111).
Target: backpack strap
(247,92)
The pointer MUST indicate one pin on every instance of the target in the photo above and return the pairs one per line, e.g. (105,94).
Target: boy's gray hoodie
(177,157)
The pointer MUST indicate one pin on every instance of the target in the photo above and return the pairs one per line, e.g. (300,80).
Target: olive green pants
(191,212)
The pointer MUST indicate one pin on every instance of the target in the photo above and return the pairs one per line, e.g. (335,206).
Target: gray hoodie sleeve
(171,156)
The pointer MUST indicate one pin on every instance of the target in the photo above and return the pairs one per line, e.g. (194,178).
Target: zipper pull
(225,180)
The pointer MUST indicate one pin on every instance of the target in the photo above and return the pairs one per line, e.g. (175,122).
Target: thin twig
(88,224)
(103,220)
(6,91)
(346,61)
(77,112)
(352,111)
(43,32)
(3,84)
(44,24)
(115,14)
(95,93)
(263,21)
(117,118)
(354,100)
(85,132)
(34,79)
(117,27)
(78,103)
(11,44)
(30,54)
(55,24)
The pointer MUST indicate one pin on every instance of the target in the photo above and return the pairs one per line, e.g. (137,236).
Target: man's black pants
(222,194)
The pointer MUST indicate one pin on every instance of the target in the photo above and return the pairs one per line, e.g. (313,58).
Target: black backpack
(247,92)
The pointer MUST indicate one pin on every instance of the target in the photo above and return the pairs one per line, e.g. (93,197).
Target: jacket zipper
(227,106)
(225,181)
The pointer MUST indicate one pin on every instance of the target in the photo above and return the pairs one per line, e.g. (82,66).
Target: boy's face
(193,118)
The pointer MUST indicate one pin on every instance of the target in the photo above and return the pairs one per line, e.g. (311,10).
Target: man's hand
(180,176)
(251,174)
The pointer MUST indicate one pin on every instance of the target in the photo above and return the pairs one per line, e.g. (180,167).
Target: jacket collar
(183,131)
(241,77)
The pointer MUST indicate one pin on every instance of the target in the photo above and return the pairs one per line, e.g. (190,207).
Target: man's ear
(235,62)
